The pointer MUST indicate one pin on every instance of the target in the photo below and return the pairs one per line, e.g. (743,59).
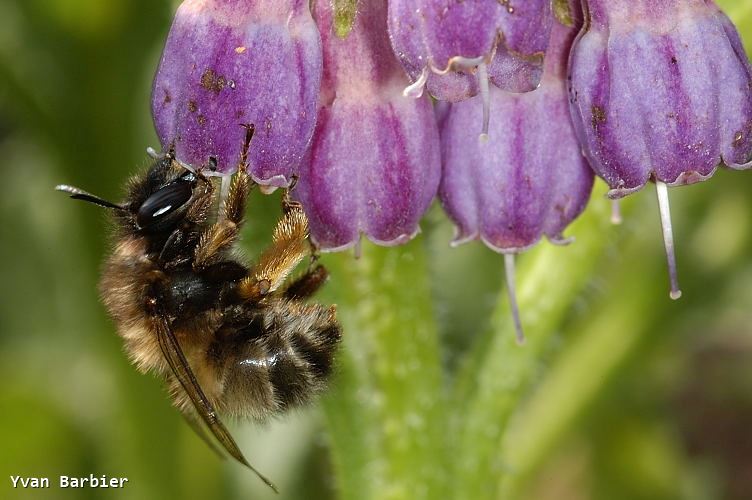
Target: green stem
(387,419)
(496,376)
(352,448)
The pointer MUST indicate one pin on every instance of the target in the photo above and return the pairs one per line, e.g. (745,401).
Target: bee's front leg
(222,234)
(181,245)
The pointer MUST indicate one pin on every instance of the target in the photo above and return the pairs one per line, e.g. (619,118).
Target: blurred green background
(630,395)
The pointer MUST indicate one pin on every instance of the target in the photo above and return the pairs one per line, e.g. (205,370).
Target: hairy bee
(227,338)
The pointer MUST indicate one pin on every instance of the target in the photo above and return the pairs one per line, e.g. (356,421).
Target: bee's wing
(183,373)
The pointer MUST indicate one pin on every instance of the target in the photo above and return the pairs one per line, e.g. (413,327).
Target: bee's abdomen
(279,359)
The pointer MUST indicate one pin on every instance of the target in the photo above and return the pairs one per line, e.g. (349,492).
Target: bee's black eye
(164,202)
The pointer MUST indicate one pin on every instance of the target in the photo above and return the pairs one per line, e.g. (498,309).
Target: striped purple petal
(374,164)
(233,62)
(524,32)
(445,45)
(660,89)
(429,36)
(529,179)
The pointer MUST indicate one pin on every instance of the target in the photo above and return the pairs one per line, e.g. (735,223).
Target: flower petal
(430,34)
(524,31)
(530,178)
(233,62)
(662,90)
(374,163)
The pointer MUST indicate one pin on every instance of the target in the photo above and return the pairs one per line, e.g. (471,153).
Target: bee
(228,338)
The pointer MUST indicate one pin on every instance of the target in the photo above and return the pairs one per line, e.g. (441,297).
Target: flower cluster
(532,102)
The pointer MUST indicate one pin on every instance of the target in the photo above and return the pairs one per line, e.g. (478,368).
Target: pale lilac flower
(529,179)
(661,90)
(455,48)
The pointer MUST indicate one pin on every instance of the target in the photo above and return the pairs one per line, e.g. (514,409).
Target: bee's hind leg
(307,284)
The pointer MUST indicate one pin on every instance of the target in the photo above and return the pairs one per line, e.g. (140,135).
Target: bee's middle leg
(289,247)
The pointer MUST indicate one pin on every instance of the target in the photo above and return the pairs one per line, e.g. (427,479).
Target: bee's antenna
(80,194)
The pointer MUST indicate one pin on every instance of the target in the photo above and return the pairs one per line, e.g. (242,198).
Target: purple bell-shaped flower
(529,179)
(455,48)
(229,63)
(374,163)
(660,90)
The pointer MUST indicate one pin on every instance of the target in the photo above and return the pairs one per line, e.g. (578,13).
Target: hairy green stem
(387,419)
(352,448)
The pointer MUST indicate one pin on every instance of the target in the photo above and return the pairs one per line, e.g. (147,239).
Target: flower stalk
(390,382)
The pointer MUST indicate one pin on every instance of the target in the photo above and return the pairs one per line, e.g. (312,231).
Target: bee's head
(157,201)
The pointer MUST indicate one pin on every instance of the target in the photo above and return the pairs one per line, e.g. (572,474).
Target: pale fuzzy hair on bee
(121,286)
(252,392)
